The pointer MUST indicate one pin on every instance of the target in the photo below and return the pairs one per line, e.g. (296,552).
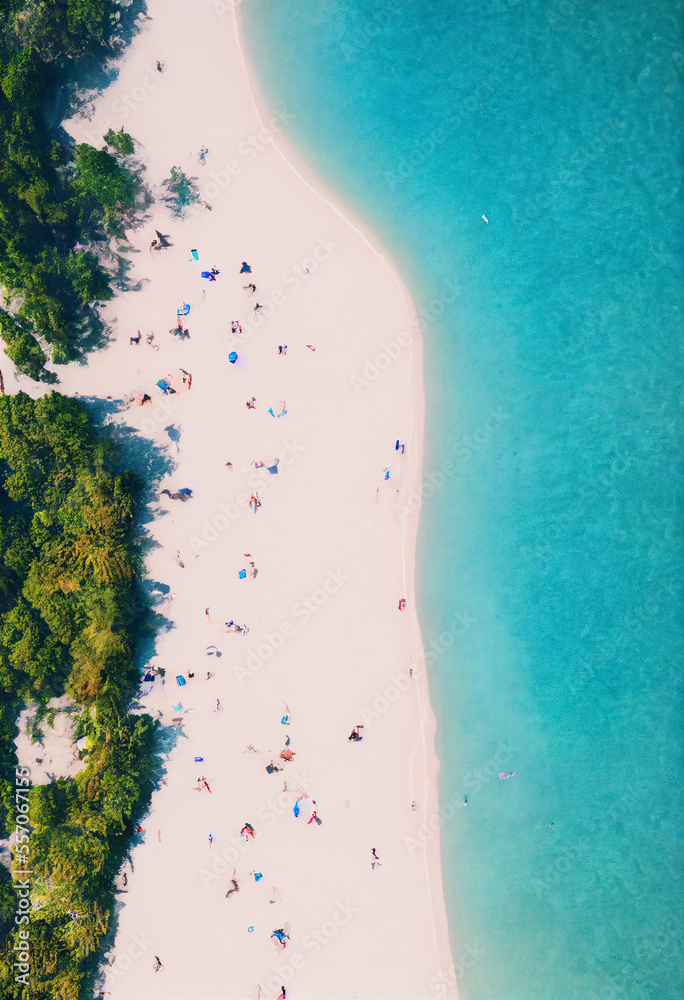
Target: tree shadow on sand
(150,461)
(95,73)
(166,739)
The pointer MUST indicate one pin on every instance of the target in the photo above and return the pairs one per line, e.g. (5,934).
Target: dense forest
(67,579)
(67,564)
(57,202)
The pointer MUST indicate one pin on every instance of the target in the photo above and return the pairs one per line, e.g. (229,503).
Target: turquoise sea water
(550,558)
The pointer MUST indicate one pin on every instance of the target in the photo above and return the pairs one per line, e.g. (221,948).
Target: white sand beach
(326,636)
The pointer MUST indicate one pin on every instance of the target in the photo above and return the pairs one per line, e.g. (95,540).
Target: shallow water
(550,548)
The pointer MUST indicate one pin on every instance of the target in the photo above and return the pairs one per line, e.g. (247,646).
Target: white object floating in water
(485,218)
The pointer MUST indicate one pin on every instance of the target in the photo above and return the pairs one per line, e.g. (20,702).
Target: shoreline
(172,873)
(297,162)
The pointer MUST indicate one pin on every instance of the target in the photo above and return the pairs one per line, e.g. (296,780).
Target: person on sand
(211,839)
(219,706)
(314,813)
(280,938)
(135,340)
(235,886)
(282,348)
(251,288)
(253,571)
(250,403)
(157,963)
(283,993)
(355,734)
(160,67)
(257,307)
(375,860)
(245,268)
(247,831)
(209,675)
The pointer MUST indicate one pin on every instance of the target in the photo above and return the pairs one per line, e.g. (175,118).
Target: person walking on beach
(219,706)
(157,963)
(211,839)
(314,813)
(283,993)
(375,860)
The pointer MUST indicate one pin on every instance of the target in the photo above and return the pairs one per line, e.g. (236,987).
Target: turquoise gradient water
(550,557)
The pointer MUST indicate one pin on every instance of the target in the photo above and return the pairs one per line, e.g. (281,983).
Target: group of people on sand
(280,935)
